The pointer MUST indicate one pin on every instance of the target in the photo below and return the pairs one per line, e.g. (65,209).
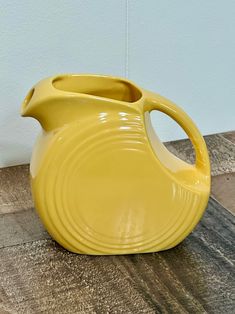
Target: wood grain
(195,277)
(21,227)
(223,190)
(229,136)
(221,151)
(15,192)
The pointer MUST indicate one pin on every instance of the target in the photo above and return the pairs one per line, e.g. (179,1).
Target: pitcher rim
(57,77)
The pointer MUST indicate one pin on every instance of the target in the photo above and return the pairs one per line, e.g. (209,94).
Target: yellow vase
(102,181)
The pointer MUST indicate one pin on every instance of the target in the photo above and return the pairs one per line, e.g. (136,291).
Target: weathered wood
(21,227)
(221,151)
(195,277)
(223,190)
(229,136)
(15,189)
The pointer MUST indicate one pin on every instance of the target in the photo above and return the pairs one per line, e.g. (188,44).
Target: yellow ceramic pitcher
(102,181)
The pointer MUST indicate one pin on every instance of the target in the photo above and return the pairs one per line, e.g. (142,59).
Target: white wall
(182,49)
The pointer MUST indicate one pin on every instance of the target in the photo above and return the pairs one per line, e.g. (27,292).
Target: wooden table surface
(39,276)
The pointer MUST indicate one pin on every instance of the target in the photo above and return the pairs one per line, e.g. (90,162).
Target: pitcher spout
(25,109)
(51,107)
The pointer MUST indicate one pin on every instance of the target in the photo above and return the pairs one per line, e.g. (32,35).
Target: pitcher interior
(100,86)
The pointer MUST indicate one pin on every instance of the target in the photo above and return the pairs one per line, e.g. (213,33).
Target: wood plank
(15,192)
(195,277)
(221,151)
(229,136)
(223,190)
(21,227)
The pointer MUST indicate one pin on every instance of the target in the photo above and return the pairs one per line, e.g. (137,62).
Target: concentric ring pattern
(100,190)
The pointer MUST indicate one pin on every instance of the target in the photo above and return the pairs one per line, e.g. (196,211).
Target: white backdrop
(184,50)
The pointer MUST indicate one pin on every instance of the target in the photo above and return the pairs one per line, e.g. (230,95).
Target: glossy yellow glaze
(102,181)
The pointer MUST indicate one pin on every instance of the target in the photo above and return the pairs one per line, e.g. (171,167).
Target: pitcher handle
(157,102)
